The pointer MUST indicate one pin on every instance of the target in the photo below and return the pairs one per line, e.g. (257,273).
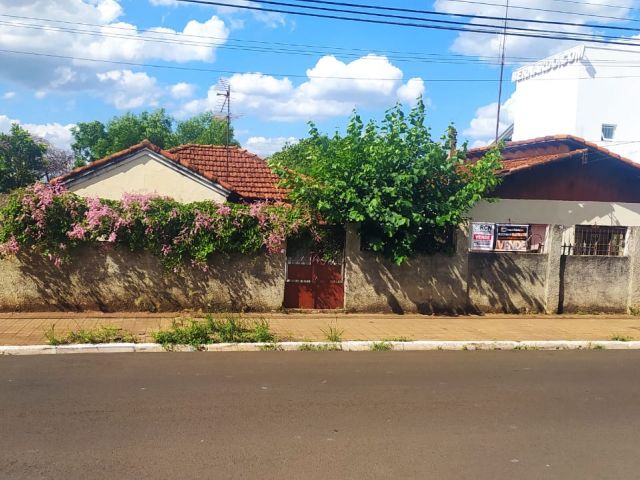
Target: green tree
(21,159)
(400,185)
(95,140)
(204,129)
(90,141)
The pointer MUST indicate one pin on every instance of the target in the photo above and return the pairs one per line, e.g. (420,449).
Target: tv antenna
(223,110)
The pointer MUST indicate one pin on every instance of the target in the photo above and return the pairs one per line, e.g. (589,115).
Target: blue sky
(272,94)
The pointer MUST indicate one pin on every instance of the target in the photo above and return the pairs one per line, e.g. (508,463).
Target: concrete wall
(109,279)
(494,282)
(117,280)
(595,284)
(507,281)
(146,173)
(425,284)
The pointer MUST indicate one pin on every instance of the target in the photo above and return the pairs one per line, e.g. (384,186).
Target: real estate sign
(482,236)
(510,237)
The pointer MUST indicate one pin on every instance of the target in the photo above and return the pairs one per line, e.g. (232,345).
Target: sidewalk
(29,328)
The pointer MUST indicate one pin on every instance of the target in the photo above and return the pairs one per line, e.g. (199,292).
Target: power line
(546,10)
(412,59)
(582,36)
(460,15)
(608,5)
(280,74)
(492,31)
(320,49)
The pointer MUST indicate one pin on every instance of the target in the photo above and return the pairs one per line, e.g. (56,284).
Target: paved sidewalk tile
(29,328)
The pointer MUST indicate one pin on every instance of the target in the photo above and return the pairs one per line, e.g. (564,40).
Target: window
(599,240)
(608,131)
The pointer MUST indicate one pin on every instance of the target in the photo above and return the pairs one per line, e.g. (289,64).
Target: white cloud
(271,19)
(127,90)
(479,44)
(482,128)
(182,90)
(411,90)
(119,41)
(8,95)
(265,146)
(333,88)
(57,134)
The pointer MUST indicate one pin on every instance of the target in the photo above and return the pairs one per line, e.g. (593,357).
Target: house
(587,91)
(559,180)
(187,173)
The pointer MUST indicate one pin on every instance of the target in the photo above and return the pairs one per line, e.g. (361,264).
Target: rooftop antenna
(503,48)
(223,92)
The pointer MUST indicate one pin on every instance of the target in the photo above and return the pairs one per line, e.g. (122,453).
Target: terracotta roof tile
(236,169)
(524,154)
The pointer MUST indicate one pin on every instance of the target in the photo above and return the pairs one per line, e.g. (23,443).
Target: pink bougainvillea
(48,220)
(78,232)
(10,247)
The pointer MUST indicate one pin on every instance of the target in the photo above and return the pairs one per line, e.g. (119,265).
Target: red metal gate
(314,285)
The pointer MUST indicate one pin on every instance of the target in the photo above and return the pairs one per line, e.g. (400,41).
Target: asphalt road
(308,415)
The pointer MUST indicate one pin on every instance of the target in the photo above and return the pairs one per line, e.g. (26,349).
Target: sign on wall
(482,236)
(512,238)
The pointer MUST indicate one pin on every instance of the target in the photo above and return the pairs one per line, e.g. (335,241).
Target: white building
(590,92)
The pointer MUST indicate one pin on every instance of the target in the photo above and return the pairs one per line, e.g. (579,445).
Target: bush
(49,220)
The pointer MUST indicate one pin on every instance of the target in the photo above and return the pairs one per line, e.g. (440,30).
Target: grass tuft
(102,334)
(333,333)
(621,338)
(202,332)
(381,346)
(310,347)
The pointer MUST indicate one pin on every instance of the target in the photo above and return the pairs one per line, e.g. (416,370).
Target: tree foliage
(95,140)
(22,159)
(204,129)
(400,185)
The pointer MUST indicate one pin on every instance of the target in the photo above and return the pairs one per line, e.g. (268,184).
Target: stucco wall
(594,284)
(144,173)
(117,280)
(425,284)
(507,281)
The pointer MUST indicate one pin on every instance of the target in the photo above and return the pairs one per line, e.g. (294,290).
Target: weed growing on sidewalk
(397,339)
(333,333)
(381,346)
(272,347)
(102,334)
(202,332)
(621,338)
(310,347)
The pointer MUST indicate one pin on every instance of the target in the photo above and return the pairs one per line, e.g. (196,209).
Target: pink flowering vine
(77,232)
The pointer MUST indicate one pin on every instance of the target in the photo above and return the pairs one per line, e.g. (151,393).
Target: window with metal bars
(599,240)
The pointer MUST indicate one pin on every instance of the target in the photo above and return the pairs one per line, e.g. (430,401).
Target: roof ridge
(146,143)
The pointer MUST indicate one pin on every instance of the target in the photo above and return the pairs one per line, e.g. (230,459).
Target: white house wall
(578,96)
(145,174)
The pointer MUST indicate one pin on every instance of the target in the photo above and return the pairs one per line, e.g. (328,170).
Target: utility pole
(502,53)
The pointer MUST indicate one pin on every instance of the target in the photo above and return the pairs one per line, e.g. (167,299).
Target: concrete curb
(348,346)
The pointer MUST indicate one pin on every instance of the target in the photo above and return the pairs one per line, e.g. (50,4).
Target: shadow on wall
(425,284)
(507,282)
(111,279)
